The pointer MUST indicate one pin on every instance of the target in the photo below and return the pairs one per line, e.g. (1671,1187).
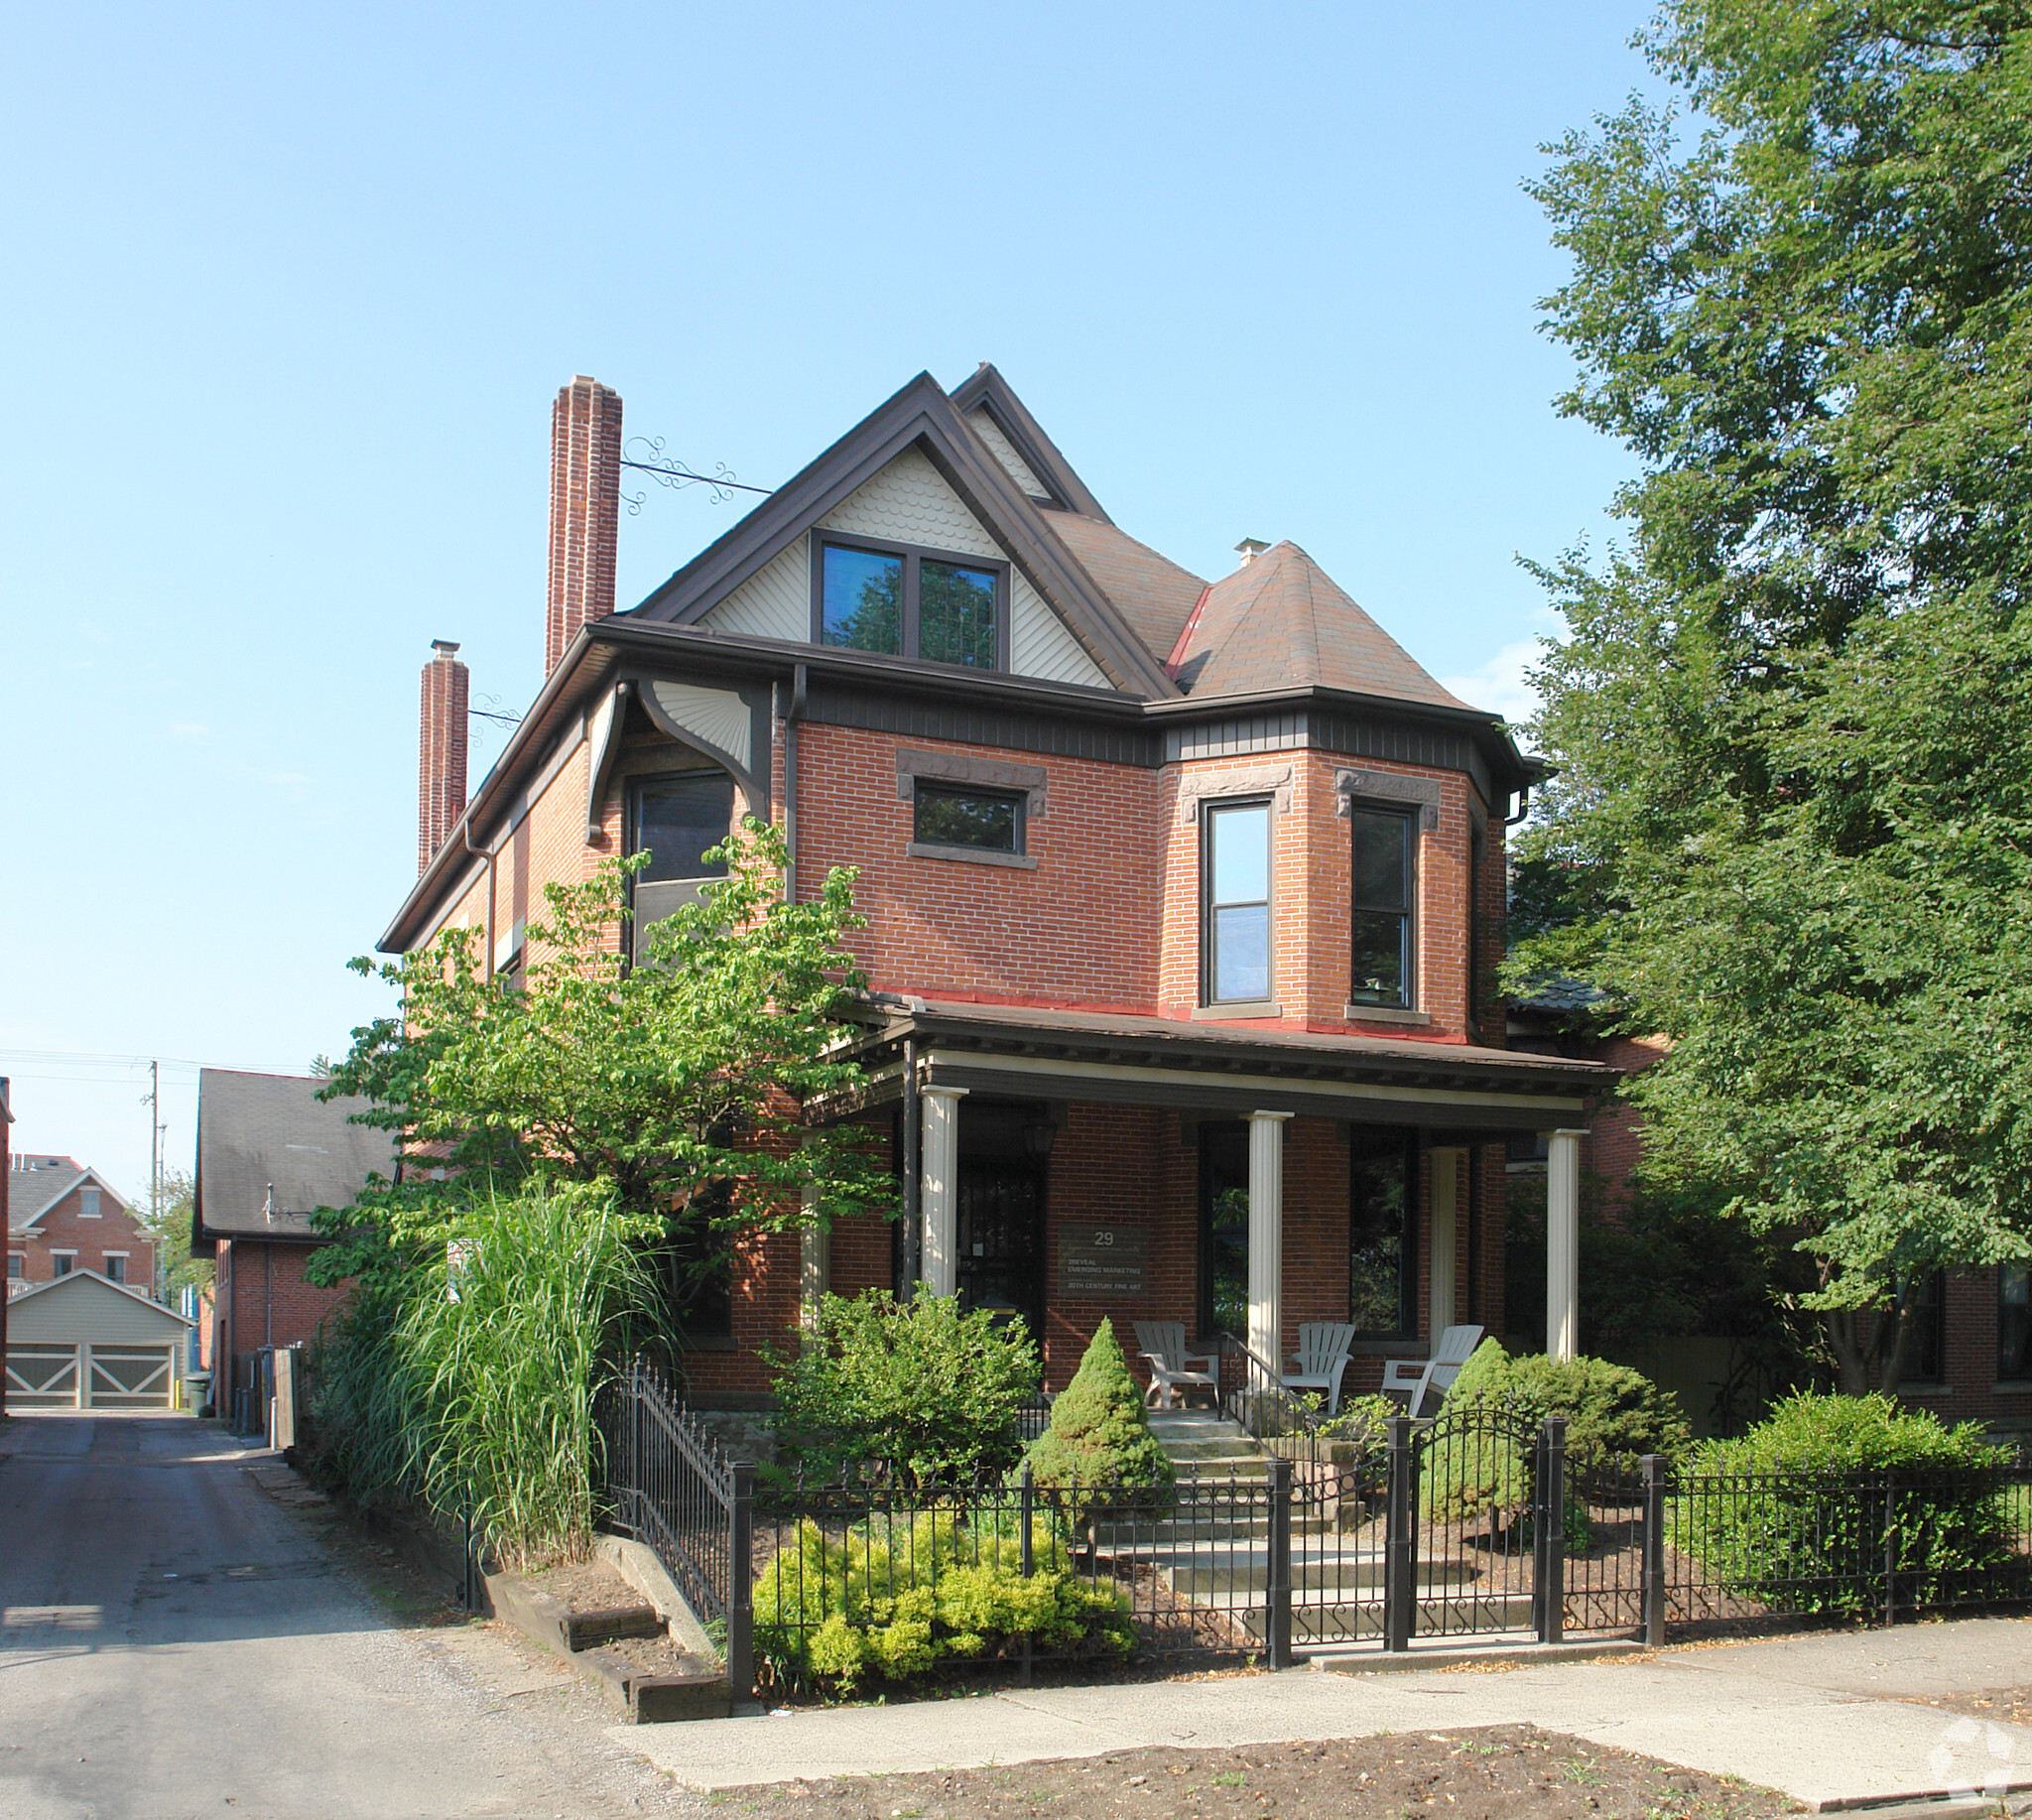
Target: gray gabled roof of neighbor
(263,1132)
(31,1193)
(55,1285)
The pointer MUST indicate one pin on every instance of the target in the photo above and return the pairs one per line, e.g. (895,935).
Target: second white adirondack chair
(1415,1378)
(1163,1343)
(1322,1357)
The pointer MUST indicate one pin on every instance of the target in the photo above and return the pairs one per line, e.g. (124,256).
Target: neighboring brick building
(1185,898)
(62,1216)
(270,1153)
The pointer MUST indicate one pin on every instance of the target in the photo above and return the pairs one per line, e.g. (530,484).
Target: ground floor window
(1926,1348)
(1225,1228)
(699,1277)
(2014,1323)
(1382,1226)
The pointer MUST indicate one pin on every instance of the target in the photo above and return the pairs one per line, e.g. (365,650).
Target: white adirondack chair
(1415,1378)
(1322,1357)
(1163,1343)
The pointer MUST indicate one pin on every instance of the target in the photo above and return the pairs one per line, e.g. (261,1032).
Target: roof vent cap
(1249,549)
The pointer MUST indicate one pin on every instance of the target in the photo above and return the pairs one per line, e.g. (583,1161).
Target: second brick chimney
(440,750)
(586,507)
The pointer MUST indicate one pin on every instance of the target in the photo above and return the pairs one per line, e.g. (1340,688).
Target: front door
(1001,1241)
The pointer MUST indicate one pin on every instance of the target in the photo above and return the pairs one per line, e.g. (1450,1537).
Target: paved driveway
(175,1644)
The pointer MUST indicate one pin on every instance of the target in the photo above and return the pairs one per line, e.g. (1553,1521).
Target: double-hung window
(1385,873)
(902,602)
(88,1203)
(677,820)
(1234,902)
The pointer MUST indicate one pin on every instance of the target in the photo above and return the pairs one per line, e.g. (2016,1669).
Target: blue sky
(291,290)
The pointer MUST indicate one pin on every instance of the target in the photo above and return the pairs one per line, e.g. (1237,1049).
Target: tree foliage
(675,1083)
(1792,824)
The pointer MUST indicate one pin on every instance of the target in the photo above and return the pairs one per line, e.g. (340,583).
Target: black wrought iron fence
(1472,1523)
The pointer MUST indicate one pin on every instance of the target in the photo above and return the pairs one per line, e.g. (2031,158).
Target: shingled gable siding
(907,502)
(64,1228)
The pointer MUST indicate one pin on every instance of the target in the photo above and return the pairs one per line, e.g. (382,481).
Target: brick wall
(64,1228)
(262,1299)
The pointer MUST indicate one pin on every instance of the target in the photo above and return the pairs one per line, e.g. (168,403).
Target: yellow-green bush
(894,1599)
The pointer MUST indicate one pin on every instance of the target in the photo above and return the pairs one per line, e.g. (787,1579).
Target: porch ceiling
(1122,1060)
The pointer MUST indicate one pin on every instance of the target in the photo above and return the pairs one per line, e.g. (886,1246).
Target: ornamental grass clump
(895,1597)
(1811,1505)
(1100,1434)
(469,1384)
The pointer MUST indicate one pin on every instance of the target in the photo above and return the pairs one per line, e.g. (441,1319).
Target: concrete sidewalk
(1832,1721)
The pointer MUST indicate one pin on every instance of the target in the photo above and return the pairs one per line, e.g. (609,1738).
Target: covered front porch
(1071,1167)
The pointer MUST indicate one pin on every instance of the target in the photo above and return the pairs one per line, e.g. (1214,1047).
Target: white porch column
(1563,1245)
(940,1192)
(815,1266)
(1444,1273)
(1266,1237)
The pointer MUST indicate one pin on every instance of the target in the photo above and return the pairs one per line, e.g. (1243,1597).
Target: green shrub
(1365,1419)
(1099,1434)
(895,1600)
(1613,1416)
(1799,1513)
(935,1394)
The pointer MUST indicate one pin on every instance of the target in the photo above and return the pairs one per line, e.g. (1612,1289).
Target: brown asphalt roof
(1151,591)
(1281,622)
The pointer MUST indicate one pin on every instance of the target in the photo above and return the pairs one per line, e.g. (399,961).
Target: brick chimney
(586,506)
(440,750)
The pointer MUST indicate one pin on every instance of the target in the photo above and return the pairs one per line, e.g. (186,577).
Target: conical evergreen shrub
(1098,1433)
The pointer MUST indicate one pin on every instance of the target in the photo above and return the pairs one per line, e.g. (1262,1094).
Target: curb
(1380,1662)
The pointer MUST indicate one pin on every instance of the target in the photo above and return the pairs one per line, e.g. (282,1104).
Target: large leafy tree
(674,1085)
(1792,824)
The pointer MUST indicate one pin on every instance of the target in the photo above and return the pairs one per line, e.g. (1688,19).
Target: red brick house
(62,1216)
(1185,896)
(270,1153)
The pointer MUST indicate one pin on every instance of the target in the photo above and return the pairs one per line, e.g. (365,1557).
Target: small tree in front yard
(1098,1433)
(676,1083)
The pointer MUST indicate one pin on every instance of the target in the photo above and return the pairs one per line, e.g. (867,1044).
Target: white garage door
(129,1377)
(41,1376)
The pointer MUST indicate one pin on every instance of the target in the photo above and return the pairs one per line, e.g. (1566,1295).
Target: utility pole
(155,1178)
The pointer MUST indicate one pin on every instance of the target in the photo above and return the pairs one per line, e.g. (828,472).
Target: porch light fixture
(1039,1134)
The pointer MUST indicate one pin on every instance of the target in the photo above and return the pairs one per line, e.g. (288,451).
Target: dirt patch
(2005,1705)
(586,1586)
(1504,1773)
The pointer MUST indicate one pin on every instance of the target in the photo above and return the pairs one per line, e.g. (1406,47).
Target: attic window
(88,1203)
(933,606)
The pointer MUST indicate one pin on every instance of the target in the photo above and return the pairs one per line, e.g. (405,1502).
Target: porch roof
(1120,1058)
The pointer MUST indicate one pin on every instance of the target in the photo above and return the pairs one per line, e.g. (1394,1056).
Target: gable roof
(263,1132)
(33,1192)
(919,416)
(57,1286)
(988,391)
(1281,622)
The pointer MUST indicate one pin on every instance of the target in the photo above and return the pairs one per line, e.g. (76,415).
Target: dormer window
(929,604)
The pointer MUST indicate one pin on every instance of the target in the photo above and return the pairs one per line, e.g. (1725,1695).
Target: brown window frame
(914,557)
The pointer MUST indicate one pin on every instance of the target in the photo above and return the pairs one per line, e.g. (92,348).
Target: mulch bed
(1503,1772)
